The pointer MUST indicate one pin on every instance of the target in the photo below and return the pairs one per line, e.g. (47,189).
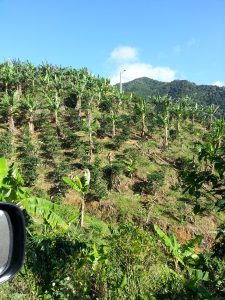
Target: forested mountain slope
(123,197)
(203,94)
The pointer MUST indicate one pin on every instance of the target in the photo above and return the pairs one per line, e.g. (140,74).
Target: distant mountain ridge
(204,94)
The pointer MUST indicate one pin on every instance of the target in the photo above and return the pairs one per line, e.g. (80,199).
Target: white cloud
(126,58)
(124,54)
(137,70)
(218,83)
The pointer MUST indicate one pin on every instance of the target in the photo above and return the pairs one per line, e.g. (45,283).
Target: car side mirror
(12,240)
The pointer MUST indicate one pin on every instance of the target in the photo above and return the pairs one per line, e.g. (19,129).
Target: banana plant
(208,153)
(183,255)
(30,103)
(9,105)
(211,111)
(163,107)
(164,119)
(81,185)
(12,189)
(193,110)
(7,77)
(130,165)
(179,110)
(218,131)
(91,97)
(141,110)
(80,85)
(54,105)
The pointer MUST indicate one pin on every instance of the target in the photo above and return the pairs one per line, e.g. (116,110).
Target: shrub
(155,181)
(28,157)
(112,174)
(98,185)
(6,147)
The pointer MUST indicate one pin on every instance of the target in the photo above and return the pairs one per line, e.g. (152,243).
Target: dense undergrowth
(123,197)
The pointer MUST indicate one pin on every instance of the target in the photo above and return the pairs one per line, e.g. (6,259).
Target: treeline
(202,94)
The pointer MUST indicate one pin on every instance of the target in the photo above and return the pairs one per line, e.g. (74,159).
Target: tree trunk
(31,124)
(143,125)
(82,213)
(113,128)
(11,124)
(90,135)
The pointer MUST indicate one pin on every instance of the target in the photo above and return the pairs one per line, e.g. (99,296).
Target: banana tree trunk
(31,124)
(90,135)
(143,129)
(113,128)
(82,213)
(11,123)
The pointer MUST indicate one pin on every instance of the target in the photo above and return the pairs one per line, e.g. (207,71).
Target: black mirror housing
(15,243)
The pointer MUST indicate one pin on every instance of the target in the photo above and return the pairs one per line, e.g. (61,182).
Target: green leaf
(3,169)
(123,283)
(75,185)
(45,209)
(79,184)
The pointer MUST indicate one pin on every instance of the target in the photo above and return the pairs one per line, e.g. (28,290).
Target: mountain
(203,94)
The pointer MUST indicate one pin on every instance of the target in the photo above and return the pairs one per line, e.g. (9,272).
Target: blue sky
(161,39)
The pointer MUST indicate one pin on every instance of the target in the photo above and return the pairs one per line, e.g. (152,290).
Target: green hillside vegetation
(202,94)
(123,197)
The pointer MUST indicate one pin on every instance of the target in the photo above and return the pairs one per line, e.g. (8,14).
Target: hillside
(123,197)
(203,94)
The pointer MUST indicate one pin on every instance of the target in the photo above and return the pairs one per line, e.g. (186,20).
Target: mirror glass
(5,240)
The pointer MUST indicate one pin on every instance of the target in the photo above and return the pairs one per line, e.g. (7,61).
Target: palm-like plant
(9,105)
(193,110)
(54,104)
(141,110)
(163,105)
(81,82)
(179,110)
(7,77)
(218,131)
(81,185)
(30,103)
(130,165)
(211,111)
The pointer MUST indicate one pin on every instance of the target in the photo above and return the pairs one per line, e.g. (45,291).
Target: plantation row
(98,173)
